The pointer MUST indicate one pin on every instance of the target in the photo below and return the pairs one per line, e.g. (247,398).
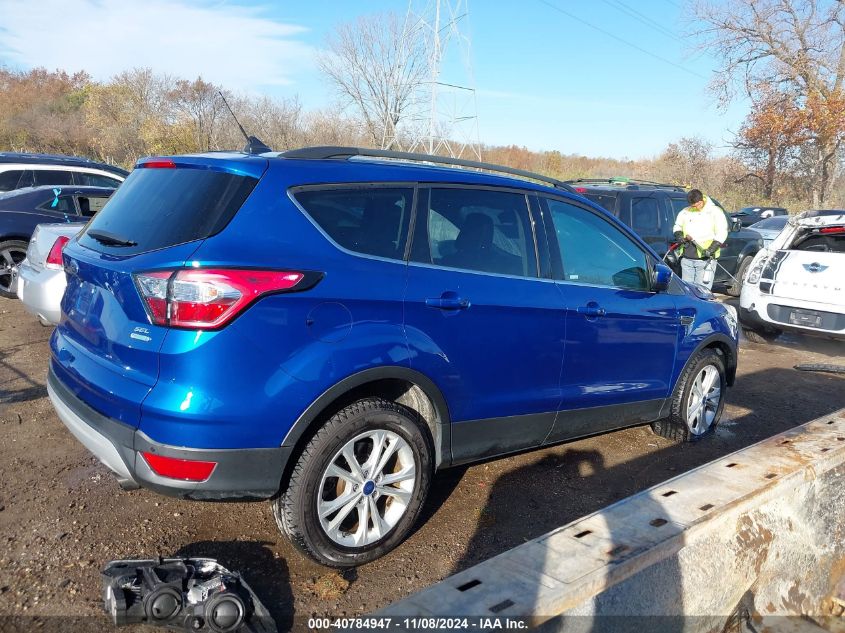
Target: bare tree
(797,46)
(376,64)
(201,107)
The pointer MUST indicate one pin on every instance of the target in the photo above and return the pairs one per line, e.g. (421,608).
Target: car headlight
(756,269)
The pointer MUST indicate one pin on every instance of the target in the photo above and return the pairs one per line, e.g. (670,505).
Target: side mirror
(662,277)
(736,225)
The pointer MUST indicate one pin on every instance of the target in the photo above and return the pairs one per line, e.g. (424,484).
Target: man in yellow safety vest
(703,228)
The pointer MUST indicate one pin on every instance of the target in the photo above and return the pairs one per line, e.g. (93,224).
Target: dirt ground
(62,516)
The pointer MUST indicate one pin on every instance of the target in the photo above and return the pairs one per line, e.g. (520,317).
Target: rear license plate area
(806,318)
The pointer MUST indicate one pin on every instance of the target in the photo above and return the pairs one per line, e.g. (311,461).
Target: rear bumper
(763,311)
(41,292)
(253,473)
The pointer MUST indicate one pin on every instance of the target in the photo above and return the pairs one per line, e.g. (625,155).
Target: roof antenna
(253,144)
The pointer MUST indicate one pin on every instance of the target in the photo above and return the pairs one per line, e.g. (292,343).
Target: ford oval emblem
(815,267)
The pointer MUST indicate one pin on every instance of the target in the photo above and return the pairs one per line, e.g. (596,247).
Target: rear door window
(89,205)
(476,229)
(95,180)
(59,204)
(645,215)
(52,177)
(368,220)
(158,208)
(9,179)
(678,205)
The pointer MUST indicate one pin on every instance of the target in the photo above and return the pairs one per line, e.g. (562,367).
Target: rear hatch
(106,348)
(813,267)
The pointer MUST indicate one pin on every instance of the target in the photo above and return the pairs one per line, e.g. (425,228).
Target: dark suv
(326,329)
(651,208)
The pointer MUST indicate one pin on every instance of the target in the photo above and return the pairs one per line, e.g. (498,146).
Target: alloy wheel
(10,258)
(703,400)
(366,488)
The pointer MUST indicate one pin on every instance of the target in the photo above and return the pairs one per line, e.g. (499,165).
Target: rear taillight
(830,230)
(184,469)
(207,299)
(54,258)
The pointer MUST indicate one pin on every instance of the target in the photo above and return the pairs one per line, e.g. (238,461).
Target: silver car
(40,276)
(770,227)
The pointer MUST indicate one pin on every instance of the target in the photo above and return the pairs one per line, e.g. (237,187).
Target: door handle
(592,309)
(447,303)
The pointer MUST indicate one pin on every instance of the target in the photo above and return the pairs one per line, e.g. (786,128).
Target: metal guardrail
(764,526)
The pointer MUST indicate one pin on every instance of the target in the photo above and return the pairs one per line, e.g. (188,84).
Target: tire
(735,289)
(684,423)
(761,336)
(340,541)
(12,253)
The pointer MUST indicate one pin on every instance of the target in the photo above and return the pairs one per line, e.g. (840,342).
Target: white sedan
(798,282)
(41,276)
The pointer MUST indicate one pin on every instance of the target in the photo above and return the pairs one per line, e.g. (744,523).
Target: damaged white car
(797,283)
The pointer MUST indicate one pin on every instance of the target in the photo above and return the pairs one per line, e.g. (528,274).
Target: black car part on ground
(189,594)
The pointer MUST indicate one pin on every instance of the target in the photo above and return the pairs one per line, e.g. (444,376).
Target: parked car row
(751,215)
(22,210)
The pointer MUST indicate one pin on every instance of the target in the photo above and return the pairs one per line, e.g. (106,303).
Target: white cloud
(239,47)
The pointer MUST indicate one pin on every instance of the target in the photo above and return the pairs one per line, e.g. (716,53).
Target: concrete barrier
(748,538)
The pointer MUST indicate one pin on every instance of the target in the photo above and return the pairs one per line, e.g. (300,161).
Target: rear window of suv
(372,220)
(157,208)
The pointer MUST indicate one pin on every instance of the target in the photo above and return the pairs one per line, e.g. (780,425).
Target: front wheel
(698,400)
(761,336)
(735,289)
(358,486)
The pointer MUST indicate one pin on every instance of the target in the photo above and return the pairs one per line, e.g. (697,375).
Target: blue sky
(549,74)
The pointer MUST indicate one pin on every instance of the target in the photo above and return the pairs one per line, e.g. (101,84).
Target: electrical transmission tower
(444,114)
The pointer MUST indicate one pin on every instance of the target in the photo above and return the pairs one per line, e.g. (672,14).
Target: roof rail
(339,152)
(623,182)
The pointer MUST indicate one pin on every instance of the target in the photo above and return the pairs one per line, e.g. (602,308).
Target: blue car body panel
(519,355)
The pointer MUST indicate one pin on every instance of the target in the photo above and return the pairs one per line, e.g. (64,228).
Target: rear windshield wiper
(110,239)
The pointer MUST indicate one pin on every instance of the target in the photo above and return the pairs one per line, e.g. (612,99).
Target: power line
(642,18)
(623,41)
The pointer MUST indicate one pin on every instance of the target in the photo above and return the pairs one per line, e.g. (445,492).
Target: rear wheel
(12,253)
(735,289)
(761,336)
(698,400)
(359,484)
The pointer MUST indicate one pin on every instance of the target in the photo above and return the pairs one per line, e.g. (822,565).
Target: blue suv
(327,328)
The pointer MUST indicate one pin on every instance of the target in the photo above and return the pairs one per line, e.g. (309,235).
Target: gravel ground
(62,516)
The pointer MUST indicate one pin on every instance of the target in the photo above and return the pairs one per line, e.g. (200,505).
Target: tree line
(786,56)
